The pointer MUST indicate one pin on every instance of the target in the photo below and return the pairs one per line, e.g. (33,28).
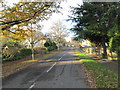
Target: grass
(104,77)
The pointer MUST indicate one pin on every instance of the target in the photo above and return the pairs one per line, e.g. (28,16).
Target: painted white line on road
(61,57)
(46,71)
(31,86)
(54,64)
(51,67)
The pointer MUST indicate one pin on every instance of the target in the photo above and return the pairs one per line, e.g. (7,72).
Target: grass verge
(104,77)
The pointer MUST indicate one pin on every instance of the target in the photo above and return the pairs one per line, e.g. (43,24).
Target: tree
(114,31)
(58,33)
(36,36)
(15,20)
(93,22)
(26,11)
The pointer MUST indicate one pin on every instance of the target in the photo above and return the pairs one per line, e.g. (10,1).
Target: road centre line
(51,67)
(46,71)
(54,64)
(31,86)
(61,57)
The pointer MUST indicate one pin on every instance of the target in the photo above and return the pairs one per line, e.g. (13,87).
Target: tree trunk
(111,54)
(118,55)
(32,51)
(58,46)
(104,50)
(99,50)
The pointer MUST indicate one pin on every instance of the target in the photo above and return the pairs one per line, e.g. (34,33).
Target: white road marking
(54,64)
(31,86)
(61,57)
(46,71)
(51,67)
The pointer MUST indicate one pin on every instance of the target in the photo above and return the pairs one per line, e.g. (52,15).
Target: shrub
(38,50)
(20,54)
(47,43)
(50,48)
(11,59)
(44,48)
(25,52)
(50,45)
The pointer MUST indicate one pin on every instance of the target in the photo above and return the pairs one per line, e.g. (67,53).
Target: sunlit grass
(69,62)
(82,56)
(87,60)
(105,78)
(29,61)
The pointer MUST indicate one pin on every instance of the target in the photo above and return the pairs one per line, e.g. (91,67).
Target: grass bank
(104,77)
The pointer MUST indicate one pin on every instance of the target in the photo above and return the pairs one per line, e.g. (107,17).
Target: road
(62,70)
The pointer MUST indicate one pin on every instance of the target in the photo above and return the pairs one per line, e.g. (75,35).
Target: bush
(47,44)
(38,50)
(25,52)
(11,59)
(20,54)
(54,45)
(50,45)
(44,48)
(50,48)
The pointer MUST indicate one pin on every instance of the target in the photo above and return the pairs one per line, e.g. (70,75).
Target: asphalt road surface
(62,70)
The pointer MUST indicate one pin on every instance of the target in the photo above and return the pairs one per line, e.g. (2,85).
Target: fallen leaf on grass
(28,61)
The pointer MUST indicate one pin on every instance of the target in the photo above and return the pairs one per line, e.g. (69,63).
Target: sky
(57,16)
(62,17)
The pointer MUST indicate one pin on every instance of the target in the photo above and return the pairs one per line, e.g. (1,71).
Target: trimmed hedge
(24,52)
(39,50)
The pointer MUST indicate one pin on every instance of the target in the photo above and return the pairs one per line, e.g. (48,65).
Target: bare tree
(58,33)
(35,35)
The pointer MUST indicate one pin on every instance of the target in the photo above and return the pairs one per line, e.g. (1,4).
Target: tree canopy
(26,11)
(97,22)
(16,19)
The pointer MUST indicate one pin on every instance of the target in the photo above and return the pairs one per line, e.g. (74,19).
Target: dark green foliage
(11,59)
(47,44)
(54,45)
(94,21)
(50,45)
(24,52)
(50,48)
